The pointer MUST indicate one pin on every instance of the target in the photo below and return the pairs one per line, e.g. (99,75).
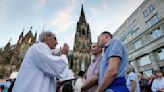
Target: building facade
(143,35)
(82,45)
(11,56)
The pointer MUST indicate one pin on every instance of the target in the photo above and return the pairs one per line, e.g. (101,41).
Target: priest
(39,69)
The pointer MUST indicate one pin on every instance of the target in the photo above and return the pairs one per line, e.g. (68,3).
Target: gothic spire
(22,33)
(30,28)
(10,40)
(36,33)
(82,15)
(21,37)
(35,37)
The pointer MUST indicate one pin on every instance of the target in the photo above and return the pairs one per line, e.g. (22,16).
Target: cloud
(105,18)
(99,20)
(94,11)
(40,4)
(105,4)
(4,10)
(63,19)
(110,16)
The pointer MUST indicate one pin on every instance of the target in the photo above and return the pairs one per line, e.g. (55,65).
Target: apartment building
(143,35)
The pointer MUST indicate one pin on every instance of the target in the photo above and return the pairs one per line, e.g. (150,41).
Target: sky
(61,17)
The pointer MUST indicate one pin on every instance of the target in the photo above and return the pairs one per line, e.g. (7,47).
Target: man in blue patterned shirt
(113,66)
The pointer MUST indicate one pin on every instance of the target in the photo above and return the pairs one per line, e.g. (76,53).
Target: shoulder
(78,80)
(132,73)
(116,43)
(40,46)
(155,81)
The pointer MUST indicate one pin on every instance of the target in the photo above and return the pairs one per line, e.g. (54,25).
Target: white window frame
(138,44)
(160,54)
(156,33)
(148,73)
(145,60)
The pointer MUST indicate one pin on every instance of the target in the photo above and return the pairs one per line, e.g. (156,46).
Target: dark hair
(81,73)
(2,87)
(141,73)
(159,71)
(67,87)
(108,33)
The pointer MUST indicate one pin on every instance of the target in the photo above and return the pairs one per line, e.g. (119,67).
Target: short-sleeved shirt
(114,48)
(157,84)
(133,77)
(78,84)
(93,69)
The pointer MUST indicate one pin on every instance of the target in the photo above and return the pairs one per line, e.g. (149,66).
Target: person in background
(158,83)
(113,67)
(3,89)
(80,81)
(12,85)
(143,82)
(91,83)
(149,83)
(132,80)
(39,69)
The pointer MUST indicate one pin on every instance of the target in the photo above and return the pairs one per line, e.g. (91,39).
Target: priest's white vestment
(39,70)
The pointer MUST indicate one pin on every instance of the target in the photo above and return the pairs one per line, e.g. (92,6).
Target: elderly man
(39,69)
(93,70)
(113,64)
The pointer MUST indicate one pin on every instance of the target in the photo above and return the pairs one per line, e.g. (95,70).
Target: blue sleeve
(116,49)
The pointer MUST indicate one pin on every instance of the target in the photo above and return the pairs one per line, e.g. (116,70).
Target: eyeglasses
(54,38)
(93,46)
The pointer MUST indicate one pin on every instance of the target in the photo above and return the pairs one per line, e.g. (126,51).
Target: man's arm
(91,83)
(110,73)
(133,86)
(160,90)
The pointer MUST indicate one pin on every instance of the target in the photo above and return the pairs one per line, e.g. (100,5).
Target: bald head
(95,49)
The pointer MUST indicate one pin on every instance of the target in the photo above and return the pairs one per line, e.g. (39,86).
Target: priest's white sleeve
(47,63)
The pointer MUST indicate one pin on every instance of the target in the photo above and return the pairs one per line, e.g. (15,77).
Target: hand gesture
(65,49)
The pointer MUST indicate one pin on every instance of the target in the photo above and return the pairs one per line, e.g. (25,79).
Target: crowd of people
(109,69)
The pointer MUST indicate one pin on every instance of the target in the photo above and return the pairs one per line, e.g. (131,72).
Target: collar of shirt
(107,44)
(96,58)
(44,44)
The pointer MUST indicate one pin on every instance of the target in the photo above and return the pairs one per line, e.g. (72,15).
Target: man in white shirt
(80,81)
(158,83)
(132,80)
(39,69)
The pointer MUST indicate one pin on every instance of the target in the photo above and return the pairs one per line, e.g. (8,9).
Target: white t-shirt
(133,76)
(78,84)
(157,83)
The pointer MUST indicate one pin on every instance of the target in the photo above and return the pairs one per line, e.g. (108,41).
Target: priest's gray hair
(45,33)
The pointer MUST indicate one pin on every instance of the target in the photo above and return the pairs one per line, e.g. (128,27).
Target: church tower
(82,45)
